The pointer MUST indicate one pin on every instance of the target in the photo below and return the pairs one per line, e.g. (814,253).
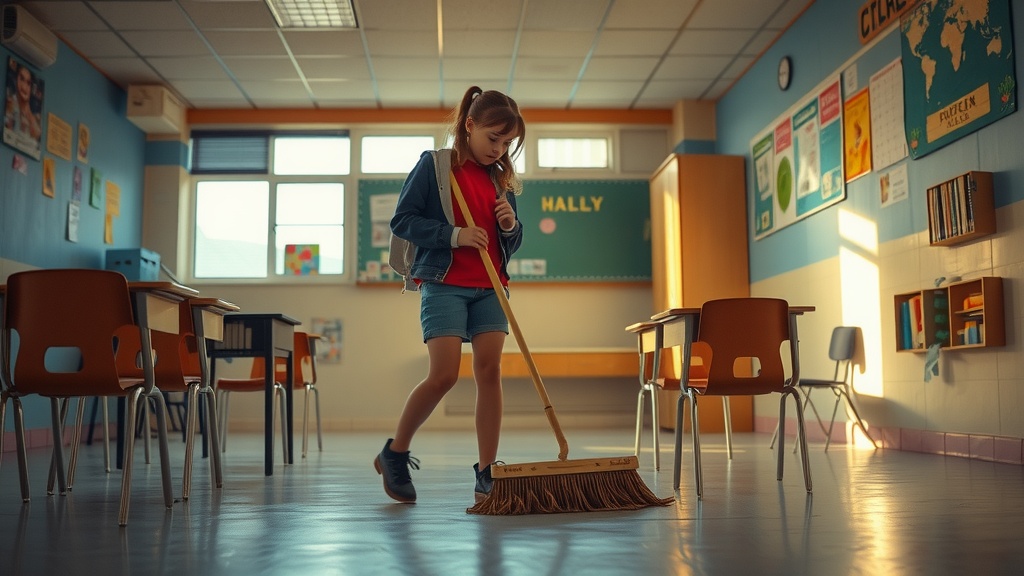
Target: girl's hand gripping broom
(562,485)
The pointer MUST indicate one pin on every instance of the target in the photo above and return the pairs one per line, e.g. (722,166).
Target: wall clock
(785,72)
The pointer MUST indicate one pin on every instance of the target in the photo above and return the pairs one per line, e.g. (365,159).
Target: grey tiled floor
(871,512)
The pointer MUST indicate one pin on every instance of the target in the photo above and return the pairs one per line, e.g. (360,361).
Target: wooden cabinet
(961,210)
(699,253)
(966,314)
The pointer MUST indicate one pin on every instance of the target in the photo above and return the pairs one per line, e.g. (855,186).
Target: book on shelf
(917,321)
(906,330)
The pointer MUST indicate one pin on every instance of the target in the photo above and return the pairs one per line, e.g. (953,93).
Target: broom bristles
(549,494)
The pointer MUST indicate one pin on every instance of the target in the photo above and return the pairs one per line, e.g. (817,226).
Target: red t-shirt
(467,269)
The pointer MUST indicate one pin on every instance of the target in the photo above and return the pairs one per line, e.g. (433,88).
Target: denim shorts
(447,310)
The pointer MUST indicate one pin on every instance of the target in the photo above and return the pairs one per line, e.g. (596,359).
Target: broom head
(588,485)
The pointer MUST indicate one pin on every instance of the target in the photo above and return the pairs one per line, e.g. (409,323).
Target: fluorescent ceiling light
(313,13)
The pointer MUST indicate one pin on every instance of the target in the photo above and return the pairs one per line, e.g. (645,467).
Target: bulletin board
(574,231)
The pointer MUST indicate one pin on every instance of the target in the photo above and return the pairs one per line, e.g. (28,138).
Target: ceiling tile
(546,43)
(129,70)
(334,68)
(759,43)
(473,44)
(407,68)
(273,68)
(606,92)
(425,93)
(738,67)
(395,43)
(748,14)
(635,68)
(324,42)
(397,15)
(246,43)
(192,68)
(142,15)
(634,42)
(202,90)
(98,44)
(470,15)
(565,69)
(650,14)
(228,15)
(342,91)
(784,17)
(541,93)
(675,89)
(174,43)
(692,67)
(565,15)
(710,42)
(473,68)
(63,16)
(291,90)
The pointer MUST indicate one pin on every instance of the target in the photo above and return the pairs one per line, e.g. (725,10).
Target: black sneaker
(394,467)
(483,481)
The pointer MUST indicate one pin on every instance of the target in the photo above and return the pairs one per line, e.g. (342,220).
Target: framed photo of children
(23,112)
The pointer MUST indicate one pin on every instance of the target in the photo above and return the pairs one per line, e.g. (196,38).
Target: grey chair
(841,350)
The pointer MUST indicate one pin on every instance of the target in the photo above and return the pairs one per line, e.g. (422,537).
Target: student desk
(268,336)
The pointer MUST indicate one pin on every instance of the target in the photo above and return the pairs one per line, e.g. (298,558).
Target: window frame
(351,181)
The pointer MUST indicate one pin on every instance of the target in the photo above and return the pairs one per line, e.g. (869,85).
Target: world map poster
(958,70)
(798,161)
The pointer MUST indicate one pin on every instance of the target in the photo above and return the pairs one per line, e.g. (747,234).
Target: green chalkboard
(574,231)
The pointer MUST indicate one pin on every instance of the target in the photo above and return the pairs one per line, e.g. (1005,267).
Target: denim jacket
(424,217)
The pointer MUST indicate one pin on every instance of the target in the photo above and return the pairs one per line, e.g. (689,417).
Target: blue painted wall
(33,226)
(821,44)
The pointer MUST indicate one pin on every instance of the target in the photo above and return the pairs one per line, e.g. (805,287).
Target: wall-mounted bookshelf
(961,315)
(961,210)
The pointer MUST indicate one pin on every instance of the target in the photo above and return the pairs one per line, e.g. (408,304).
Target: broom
(589,485)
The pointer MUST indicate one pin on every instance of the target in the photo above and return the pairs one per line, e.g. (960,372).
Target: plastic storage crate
(137,264)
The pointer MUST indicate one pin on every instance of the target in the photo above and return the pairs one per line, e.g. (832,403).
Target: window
(247,214)
(572,152)
(393,154)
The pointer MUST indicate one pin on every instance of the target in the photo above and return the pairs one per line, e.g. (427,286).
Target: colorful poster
(95,192)
(301,259)
(888,139)
(857,135)
(958,69)
(49,177)
(798,161)
(23,112)
(328,345)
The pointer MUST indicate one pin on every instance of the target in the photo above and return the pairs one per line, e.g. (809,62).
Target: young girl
(457,302)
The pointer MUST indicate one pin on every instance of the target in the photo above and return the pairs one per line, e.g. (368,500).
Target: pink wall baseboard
(987,447)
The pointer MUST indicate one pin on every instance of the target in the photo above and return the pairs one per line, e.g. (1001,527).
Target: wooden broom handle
(549,410)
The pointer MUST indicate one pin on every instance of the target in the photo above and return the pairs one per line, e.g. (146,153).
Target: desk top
(214,305)
(172,289)
(673,313)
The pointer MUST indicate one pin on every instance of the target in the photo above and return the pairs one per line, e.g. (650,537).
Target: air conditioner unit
(28,37)
(155,109)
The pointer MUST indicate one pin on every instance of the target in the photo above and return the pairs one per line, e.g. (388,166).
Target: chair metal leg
(76,438)
(162,445)
(801,436)
(698,473)
(57,411)
(678,451)
(131,413)
(213,436)
(58,439)
(305,421)
(655,425)
(225,397)
(695,437)
(106,432)
(856,414)
(19,436)
(191,415)
(728,425)
(319,428)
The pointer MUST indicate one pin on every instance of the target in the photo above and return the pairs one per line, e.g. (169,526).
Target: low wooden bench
(564,363)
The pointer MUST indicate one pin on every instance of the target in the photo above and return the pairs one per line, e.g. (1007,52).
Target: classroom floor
(871,512)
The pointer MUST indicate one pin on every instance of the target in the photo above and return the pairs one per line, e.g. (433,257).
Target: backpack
(402,252)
